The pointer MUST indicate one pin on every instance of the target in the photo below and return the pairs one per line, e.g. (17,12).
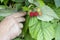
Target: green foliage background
(31,32)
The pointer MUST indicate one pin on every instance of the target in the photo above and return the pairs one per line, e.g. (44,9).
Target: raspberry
(31,14)
(36,13)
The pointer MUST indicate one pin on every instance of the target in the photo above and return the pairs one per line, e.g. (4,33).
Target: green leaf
(42,30)
(48,14)
(5,2)
(25,8)
(17,39)
(1,0)
(34,2)
(57,3)
(28,37)
(47,32)
(1,18)
(45,18)
(38,3)
(33,21)
(18,0)
(6,12)
(48,1)
(57,10)
(57,37)
(31,1)
(17,6)
(34,30)
(2,7)
(27,3)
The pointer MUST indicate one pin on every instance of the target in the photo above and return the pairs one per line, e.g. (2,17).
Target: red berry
(36,13)
(31,14)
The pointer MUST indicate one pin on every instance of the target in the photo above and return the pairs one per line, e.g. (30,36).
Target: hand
(11,26)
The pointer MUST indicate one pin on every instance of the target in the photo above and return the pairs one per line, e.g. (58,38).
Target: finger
(19,14)
(20,25)
(22,19)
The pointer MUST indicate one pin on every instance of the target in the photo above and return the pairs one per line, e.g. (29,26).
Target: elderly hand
(11,26)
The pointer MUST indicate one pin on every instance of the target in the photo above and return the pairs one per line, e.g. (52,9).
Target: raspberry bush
(42,19)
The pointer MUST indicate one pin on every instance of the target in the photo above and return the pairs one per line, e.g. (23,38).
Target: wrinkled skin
(12,26)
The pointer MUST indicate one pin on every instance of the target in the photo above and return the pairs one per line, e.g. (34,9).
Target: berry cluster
(34,14)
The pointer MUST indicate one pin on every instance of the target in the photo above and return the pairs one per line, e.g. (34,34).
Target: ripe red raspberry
(36,13)
(31,14)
